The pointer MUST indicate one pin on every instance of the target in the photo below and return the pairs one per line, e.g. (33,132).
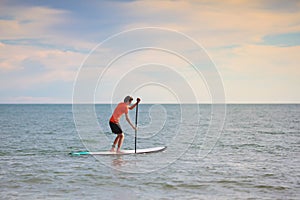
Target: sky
(253,44)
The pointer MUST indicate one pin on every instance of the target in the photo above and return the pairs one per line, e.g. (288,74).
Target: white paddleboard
(123,152)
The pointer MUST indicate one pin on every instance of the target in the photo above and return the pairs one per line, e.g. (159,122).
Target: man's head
(128,100)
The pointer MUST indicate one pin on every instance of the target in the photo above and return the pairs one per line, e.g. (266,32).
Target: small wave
(268,175)
(183,186)
(228,182)
(250,145)
(271,187)
(272,132)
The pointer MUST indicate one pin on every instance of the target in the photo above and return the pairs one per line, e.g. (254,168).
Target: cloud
(44,43)
(33,52)
(215,23)
(260,73)
(261,59)
(233,33)
(156,69)
(27,66)
(42,26)
(29,22)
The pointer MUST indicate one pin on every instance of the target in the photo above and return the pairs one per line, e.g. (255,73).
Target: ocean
(251,152)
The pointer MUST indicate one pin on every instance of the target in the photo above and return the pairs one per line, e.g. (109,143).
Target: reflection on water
(118,161)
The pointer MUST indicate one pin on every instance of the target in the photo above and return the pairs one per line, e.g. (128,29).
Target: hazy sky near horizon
(254,44)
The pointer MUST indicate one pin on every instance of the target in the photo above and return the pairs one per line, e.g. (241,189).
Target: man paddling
(121,108)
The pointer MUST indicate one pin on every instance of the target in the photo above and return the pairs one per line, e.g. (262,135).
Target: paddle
(136,118)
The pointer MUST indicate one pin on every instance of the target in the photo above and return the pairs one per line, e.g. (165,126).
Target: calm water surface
(256,157)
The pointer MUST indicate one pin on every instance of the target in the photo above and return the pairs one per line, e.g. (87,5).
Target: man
(121,108)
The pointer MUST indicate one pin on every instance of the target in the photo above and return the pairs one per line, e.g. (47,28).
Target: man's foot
(119,151)
(112,149)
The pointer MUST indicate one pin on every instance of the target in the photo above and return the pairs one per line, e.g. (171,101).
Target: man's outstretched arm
(129,122)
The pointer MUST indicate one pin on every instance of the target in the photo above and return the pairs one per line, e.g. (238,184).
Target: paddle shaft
(136,118)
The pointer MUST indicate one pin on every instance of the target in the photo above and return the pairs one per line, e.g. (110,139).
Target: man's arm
(129,122)
(134,105)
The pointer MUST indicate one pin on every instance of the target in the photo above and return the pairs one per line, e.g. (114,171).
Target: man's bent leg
(115,143)
(121,139)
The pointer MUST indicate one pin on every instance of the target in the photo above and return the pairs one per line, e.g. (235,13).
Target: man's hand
(134,105)
(134,128)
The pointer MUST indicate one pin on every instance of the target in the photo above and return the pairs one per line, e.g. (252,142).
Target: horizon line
(106,103)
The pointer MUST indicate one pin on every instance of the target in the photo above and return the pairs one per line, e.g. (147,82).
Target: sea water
(255,154)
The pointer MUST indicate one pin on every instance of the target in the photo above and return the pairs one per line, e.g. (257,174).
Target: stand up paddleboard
(123,152)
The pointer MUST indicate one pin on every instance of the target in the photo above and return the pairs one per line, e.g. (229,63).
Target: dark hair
(128,99)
